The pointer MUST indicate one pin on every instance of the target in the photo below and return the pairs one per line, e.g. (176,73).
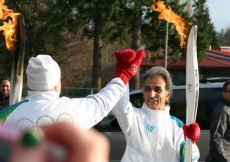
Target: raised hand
(128,63)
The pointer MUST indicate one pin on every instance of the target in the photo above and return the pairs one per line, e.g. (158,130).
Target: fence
(70,92)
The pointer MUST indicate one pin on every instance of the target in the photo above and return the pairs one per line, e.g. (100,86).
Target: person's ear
(168,96)
(56,88)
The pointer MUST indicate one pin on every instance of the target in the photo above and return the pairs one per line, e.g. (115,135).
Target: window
(208,99)
(137,100)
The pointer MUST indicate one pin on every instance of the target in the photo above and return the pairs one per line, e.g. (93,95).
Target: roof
(224,53)
(208,61)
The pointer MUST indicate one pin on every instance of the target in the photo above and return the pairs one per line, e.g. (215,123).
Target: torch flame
(167,14)
(8,28)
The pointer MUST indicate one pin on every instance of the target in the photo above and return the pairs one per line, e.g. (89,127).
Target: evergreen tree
(6,59)
(99,17)
(136,29)
(206,35)
(50,27)
(224,37)
(45,23)
(215,44)
(121,21)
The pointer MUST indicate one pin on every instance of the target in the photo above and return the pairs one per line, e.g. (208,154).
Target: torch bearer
(192,86)
(192,74)
(16,82)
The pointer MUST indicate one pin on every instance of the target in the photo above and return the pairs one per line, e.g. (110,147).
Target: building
(225,48)
(216,63)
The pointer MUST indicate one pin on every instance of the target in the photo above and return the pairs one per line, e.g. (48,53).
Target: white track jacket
(151,135)
(45,107)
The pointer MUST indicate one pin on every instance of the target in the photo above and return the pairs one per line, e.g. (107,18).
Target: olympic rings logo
(42,120)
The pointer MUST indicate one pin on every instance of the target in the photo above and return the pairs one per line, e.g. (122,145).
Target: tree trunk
(96,82)
(136,43)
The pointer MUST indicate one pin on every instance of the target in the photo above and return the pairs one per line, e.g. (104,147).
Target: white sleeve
(195,153)
(93,108)
(124,112)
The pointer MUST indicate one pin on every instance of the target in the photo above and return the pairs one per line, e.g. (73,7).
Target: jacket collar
(155,113)
(42,95)
(226,102)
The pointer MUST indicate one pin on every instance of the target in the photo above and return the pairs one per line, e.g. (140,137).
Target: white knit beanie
(43,73)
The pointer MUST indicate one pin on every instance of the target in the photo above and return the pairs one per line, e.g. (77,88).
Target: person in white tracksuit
(151,134)
(43,106)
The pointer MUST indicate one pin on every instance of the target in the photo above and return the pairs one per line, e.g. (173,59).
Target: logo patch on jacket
(149,128)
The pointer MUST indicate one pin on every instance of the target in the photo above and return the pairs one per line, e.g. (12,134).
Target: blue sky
(219,11)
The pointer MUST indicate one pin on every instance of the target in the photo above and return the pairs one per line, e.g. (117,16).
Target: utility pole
(166,45)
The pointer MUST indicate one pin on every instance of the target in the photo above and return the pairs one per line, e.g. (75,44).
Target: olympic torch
(192,86)
(192,74)
(16,82)
(13,29)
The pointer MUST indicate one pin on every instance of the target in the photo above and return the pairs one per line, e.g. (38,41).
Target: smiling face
(154,93)
(5,87)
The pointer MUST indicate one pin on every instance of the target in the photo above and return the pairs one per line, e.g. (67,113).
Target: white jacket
(151,135)
(45,107)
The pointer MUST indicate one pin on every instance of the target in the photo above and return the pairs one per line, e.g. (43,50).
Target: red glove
(128,62)
(192,131)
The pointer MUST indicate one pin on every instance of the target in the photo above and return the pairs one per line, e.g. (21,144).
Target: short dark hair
(4,78)
(225,85)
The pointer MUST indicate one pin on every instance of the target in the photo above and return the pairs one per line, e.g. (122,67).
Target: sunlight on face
(5,87)
(154,93)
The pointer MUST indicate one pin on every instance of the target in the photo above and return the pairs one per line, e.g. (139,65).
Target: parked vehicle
(209,96)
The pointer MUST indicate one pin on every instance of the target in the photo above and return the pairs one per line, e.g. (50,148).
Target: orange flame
(167,14)
(8,28)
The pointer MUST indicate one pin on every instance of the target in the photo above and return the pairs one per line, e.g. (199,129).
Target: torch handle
(18,63)
(192,87)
